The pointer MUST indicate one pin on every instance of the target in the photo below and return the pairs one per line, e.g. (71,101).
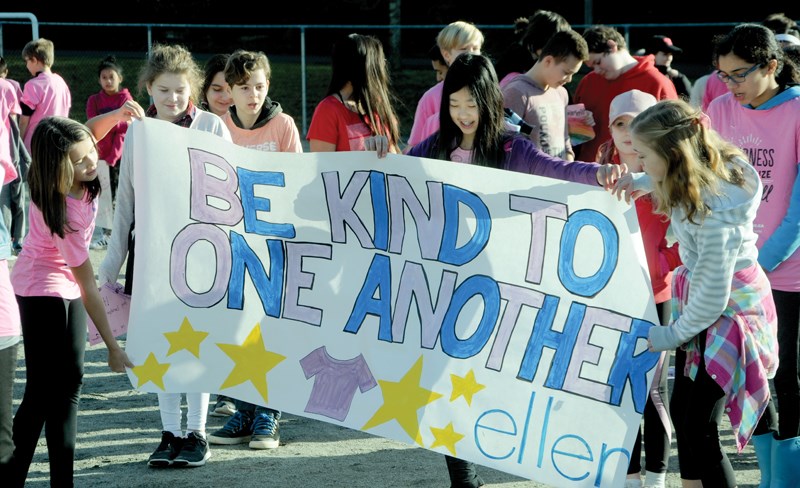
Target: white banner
(490,315)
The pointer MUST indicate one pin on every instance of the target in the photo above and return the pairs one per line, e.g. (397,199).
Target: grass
(80,73)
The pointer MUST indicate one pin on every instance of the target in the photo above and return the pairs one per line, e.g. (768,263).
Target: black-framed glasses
(737,77)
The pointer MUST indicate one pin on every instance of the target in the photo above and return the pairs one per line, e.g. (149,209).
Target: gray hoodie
(713,249)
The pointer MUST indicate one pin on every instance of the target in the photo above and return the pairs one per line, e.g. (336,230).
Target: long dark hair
(359,59)
(475,73)
(756,44)
(50,175)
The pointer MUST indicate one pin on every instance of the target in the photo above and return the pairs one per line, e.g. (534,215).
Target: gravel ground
(118,428)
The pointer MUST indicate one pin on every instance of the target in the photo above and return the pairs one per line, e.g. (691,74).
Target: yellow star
(446,437)
(185,338)
(465,386)
(252,362)
(401,400)
(151,370)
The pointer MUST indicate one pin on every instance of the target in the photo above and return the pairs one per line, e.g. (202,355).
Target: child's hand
(377,143)
(130,110)
(624,187)
(609,174)
(118,360)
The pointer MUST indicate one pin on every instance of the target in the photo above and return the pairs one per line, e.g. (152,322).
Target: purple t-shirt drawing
(335,382)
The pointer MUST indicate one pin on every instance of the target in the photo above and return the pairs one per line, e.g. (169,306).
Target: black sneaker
(266,432)
(194,451)
(236,430)
(166,452)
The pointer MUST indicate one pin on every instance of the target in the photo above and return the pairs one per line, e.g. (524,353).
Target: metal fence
(406,45)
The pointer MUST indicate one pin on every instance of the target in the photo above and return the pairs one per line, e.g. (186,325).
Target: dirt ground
(118,428)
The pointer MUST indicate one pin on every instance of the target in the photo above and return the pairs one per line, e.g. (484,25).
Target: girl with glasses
(761,114)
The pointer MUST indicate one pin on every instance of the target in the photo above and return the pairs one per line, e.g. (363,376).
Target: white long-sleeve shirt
(124,208)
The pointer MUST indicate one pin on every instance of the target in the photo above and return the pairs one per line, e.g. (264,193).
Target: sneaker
(194,451)
(100,243)
(167,451)
(266,432)
(224,407)
(237,430)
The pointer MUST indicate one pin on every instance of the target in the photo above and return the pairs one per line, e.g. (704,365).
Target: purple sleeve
(423,149)
(313,362)
(525,157)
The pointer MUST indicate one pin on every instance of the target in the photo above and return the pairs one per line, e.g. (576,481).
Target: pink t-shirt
(280,134)
(426,117)
(714,88)
(43,266)
(9,312)
(9,104)
(16,87)
(47,94)
(507,78)
(771,139)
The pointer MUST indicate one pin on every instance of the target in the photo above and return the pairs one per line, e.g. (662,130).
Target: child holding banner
(358,105)
(172,78)
(54,283)
(215,97)
(456,38)
(255,121)
(724,323)
(661,260)
(473,131)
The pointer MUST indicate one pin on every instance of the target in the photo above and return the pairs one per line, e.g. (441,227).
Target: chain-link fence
(299,54)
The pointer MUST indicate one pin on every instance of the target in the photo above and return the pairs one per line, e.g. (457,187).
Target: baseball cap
(788,39)
(631,103)
(661,44)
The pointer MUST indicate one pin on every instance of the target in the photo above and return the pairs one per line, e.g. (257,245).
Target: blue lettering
(590,285)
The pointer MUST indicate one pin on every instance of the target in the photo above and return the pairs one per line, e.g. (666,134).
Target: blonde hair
(457,34)
(696,156)
(40,49)
(173,59)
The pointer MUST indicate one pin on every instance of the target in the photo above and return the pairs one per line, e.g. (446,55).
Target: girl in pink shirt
(761,114)
(9,331)
(54,283)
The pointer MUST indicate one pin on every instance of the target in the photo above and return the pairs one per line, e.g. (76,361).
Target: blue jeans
(253,409)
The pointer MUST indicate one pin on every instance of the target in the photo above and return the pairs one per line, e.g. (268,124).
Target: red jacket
(109,148)
(596,93)
(661,257)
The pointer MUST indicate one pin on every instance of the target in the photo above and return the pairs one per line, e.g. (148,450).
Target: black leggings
(463,474)
(697,407)
(787,379)
(54,338)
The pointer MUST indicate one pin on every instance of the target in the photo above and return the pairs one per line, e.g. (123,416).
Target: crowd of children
(719,222)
